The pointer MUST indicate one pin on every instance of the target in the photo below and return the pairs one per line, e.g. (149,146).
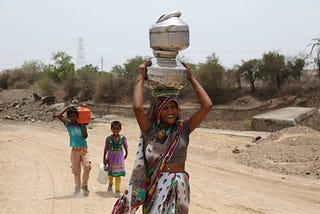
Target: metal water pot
(169,33)
(168,36)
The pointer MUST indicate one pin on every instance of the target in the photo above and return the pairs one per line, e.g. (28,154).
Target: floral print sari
(156,191)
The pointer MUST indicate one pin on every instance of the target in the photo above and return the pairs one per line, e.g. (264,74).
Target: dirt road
(36,177)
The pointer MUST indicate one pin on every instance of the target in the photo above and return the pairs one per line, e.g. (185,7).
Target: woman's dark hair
(72,110)
(116,123)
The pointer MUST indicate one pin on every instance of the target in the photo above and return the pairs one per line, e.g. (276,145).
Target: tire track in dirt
(27,185)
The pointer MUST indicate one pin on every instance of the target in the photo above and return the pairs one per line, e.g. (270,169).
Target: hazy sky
(119,30)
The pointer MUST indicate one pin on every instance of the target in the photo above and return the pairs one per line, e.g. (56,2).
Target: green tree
(86,78)
(118,71)
(233,76)
(62,68)
(129,68)
(88,69)
(273,68)
(295,67)
(250,71)
(210,75)
(88,73)
(125,76)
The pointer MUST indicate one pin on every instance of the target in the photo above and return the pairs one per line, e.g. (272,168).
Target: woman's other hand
(189,71)
(142,69)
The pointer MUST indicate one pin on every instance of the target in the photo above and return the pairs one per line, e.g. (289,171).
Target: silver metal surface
(170,33)
(167,37)
(166,73)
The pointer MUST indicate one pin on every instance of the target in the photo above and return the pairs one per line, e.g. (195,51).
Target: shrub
(105,90)
(46,86)
(4,80)
(247,124)
(21,84)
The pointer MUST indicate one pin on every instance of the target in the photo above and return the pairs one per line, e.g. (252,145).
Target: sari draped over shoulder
(157,191)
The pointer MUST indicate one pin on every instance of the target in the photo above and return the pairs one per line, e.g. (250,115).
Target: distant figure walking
(113,157)
(79,149)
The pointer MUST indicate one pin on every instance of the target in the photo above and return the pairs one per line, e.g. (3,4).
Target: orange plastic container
(84,114)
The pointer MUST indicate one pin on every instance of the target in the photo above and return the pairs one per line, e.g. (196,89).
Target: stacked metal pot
(168,36)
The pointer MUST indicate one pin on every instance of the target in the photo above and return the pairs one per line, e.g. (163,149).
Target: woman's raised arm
(138,97)
(204,100)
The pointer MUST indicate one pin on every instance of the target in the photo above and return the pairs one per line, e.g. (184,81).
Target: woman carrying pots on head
(159,182)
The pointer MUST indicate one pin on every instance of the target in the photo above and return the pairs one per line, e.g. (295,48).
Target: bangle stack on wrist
(140,78)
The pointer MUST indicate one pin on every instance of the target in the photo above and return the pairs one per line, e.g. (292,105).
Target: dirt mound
(293,150)
(8,96)
(27,105)
(247,101)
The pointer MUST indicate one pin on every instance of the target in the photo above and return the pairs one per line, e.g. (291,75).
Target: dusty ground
(36,177)
(228,173)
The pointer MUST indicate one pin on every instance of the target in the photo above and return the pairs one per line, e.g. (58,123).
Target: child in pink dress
(113,156)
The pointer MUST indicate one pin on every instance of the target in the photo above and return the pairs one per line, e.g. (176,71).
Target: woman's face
(169,113)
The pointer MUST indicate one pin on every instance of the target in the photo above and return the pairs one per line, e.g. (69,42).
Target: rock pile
(28,106)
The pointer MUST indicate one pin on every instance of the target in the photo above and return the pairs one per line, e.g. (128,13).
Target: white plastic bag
(102,175)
